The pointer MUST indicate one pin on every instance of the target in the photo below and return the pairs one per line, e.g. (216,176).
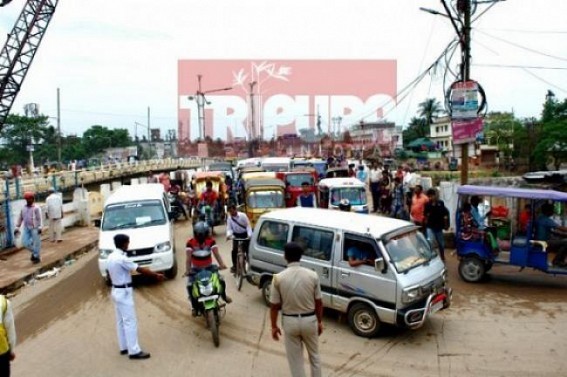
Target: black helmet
(201,231)
(344,205)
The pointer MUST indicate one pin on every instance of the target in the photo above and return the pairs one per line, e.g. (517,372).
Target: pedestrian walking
(418,201)
(120,270)
(436,219)
(307,198)
(296,291)
(31,220)
(7,336)
(54,204)
(398,210)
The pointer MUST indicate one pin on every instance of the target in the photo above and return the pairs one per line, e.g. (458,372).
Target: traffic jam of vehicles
(326,206)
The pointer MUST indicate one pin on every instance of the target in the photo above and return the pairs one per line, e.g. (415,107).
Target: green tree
(428,110)
(505,131)
(552,144)
(415,130)
(99,138)
(20,131)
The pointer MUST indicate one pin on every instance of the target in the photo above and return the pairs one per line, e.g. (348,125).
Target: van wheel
(472,269)
(172,272)
(266,289)
(363,320)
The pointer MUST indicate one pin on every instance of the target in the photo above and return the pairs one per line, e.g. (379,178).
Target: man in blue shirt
(358,256)
(361,174)
(545,228)
(306,199)
(480,220)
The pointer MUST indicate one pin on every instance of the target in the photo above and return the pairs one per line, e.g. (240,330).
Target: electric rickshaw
(294,180)
(214,214)
(333,190)
(514,229)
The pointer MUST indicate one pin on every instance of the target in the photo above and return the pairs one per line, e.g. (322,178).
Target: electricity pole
(149,135)
(58,130)
(253,135)
(465,7)
(201,101)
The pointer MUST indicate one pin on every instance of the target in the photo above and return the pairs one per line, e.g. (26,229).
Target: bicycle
(241,263)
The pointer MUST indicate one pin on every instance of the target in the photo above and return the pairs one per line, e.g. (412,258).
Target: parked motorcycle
(207,289)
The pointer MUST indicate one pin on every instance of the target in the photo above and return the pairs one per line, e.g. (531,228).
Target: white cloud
(112,59)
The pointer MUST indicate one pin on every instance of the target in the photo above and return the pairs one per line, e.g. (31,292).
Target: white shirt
(119,267)
(8,321)
(375,175)
(238,224)
(54,204)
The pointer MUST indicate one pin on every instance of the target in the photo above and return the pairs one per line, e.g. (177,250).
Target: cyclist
(237,226)
(198,251)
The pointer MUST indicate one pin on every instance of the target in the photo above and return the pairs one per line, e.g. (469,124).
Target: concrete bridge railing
(66,180)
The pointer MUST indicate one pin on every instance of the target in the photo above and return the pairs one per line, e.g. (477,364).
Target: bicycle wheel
(240,270)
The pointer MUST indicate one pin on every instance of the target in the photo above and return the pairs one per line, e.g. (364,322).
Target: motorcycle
(207,290)
(174,203)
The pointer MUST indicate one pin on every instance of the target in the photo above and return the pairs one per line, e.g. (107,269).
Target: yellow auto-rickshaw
(260,196)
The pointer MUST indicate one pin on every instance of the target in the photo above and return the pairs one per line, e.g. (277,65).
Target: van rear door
(318,244)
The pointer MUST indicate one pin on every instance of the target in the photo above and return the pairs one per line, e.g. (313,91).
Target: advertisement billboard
(270,98)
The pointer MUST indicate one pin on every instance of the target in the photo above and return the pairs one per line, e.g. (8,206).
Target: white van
(143,213)
(405,285)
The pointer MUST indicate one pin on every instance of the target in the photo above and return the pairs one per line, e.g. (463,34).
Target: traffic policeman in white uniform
(119,269)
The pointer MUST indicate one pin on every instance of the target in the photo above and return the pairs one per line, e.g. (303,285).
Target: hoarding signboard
(464,100)
(466,131)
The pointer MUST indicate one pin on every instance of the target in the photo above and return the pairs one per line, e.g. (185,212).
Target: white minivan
(143,213)
(405,284)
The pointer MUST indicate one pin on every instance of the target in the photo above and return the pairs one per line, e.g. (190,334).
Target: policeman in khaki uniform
(119,269)
(7,336)
(296,291)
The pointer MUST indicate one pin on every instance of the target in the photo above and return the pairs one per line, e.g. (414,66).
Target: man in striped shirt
(30,218)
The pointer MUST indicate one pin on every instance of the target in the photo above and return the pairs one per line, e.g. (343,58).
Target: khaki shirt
(296,288)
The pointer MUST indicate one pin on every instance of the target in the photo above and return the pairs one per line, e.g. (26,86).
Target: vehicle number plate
(437,305)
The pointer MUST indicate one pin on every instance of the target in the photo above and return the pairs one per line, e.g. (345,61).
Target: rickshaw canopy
(512,192)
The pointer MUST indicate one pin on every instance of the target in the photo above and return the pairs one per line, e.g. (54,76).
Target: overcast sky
(114,58)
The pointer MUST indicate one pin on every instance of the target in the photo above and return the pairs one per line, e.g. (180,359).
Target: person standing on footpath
(7,336)
(120,270)
(436,220)
(296,291)
(30,218)
(54,204)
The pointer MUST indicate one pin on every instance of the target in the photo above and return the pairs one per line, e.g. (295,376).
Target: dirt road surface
(512,325)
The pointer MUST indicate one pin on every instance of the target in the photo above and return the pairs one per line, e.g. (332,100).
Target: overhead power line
(522,47)
(518,66)
(544,80)
(527,31)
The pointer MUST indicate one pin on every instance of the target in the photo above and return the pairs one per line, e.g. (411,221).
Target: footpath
(15,265)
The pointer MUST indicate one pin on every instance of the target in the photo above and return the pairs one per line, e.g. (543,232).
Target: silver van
(405,284)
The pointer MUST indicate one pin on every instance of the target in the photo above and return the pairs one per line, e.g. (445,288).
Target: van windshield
(355,195)
(133,215)
(409,250)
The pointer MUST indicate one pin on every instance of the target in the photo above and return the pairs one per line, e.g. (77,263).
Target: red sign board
(465,131)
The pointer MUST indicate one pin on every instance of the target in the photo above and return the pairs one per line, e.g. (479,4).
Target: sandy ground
(514,324)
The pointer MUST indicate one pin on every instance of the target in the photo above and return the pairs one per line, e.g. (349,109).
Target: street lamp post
(201,101)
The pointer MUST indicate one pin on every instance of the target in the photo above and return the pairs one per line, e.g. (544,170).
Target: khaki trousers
(55,229)
(301,331)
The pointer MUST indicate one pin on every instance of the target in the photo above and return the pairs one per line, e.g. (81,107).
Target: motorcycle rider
(174,191)
(199,251)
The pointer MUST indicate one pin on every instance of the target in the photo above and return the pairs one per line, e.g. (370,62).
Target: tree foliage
(552,144)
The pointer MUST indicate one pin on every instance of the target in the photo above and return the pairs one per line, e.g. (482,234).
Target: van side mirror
(379,265)
(97,223)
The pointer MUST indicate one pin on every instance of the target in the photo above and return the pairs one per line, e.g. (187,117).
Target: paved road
(513,325)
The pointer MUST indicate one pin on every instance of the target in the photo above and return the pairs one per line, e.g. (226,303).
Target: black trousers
(235,246)
(5,364)
(375,191)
